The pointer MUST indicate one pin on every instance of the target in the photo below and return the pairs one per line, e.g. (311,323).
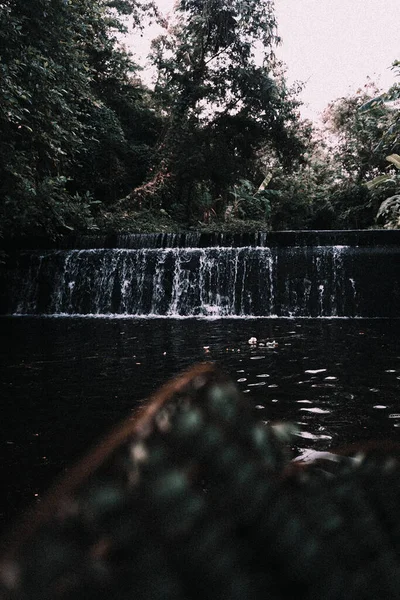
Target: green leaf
(371,104)
(394,159)
(265,183)
(378,181)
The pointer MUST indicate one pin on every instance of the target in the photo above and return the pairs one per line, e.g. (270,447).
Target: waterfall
(163,275)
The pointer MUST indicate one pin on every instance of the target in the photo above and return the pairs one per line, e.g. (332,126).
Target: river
(66,380)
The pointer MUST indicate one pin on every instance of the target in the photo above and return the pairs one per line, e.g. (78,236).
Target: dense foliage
(346,175)
(224,99)
(72,120)
(218,142)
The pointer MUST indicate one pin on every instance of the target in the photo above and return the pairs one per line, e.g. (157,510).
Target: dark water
(65,381)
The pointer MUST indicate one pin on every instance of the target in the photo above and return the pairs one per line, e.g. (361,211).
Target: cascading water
(278,274)
(171,282)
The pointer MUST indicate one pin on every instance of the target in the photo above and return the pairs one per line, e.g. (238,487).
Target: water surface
(65,381)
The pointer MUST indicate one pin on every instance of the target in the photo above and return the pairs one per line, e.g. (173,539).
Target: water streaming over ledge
(282,274)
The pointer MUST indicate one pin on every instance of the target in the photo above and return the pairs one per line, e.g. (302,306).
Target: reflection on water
(65,382)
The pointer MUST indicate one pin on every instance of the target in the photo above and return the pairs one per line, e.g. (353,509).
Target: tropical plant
(354,155)
(389,100)
(388,214)
(250,202)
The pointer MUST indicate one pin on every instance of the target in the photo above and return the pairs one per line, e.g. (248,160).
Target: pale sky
(334,45)
(331,45)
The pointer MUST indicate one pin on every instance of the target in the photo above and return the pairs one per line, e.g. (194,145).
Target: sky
(332,46)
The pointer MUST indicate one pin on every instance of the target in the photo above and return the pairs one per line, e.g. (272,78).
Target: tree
(386,186)
(65,90)
(327,189)
(356,155)
(300,193)
(357,134)
(224,98)
(390,141)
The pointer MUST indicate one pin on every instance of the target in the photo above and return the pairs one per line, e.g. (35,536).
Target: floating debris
(319,411)
(253,341)
(272,344)
(312,436)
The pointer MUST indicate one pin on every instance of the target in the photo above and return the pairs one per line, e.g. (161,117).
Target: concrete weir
(279,274)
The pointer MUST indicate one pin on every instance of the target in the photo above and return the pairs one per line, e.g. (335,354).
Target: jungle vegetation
(217,142)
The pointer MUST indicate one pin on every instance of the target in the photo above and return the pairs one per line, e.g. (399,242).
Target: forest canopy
(216,142)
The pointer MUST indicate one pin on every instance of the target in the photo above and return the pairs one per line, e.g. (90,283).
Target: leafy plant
(250,202)
(389,211)
(68,112)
